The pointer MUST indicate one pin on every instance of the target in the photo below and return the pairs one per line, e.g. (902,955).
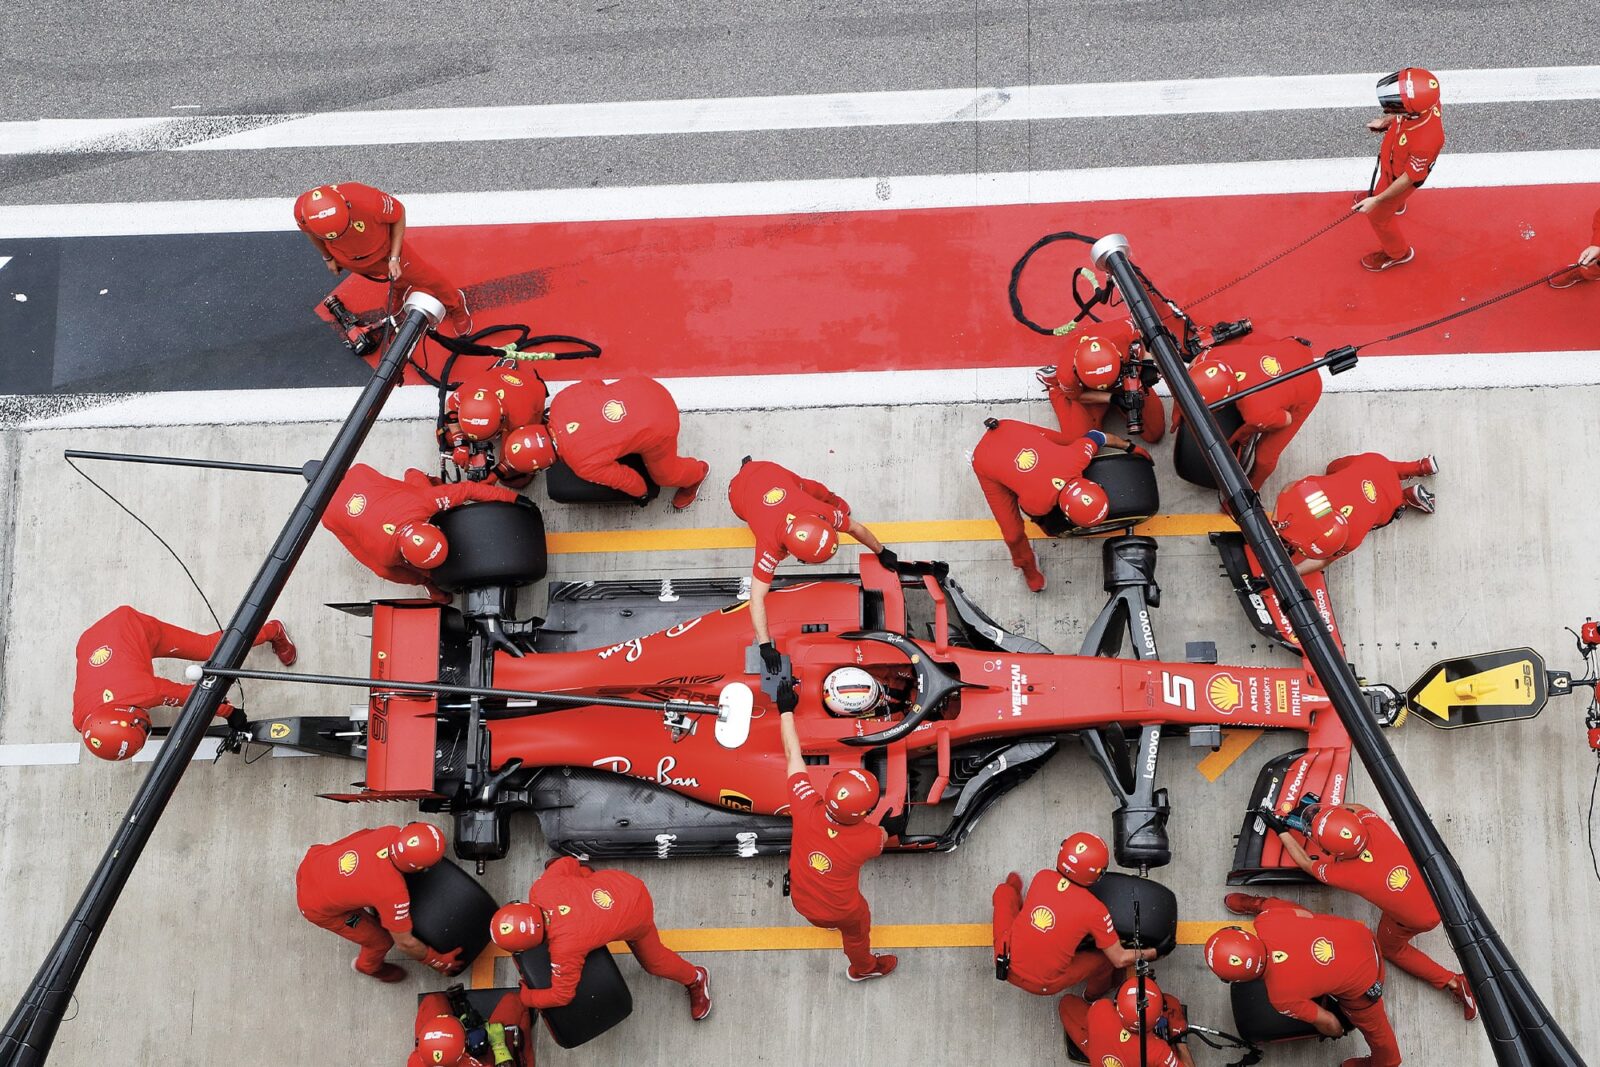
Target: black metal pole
(31,1029)
(1520,1028)
(1338,361)
(181,461)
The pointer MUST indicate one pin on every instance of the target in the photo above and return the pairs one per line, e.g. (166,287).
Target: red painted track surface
(926,289)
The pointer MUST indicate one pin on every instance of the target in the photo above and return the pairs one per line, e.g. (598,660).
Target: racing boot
(685,496)
(1463,994)
(389,973)
(1035,579)
(1567,278)
(461,322)
(282,646)
(1418,498)
(1376,261)
(885,965)
(700,995)
(1014,880)
(1243,903)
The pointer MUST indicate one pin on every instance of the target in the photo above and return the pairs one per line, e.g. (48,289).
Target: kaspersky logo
(1027,459)
(100,656)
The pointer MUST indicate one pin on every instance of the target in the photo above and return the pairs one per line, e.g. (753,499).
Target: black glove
(643,501)
(771,661)
(788,699)
(1272,820)
(887,557)
(237,719)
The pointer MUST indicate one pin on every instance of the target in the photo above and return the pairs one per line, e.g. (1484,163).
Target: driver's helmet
(442,1041)
(851,691)
(1408,91)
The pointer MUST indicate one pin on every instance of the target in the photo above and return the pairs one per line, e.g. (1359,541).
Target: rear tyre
(450,910)
(491,543)
(1188,459)
(1257,1021)
(565,487)
(1130,484)
(1158,909)
(602,1000)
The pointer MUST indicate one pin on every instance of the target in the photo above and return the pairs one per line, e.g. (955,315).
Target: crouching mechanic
(575,910)
(789,514)
(1038,936)
(592,425)
(1027,469)
(385,523)
(1304,957)
(1327,516)
(356,888)
(1271,417)
(1361,854)
(1113,1032)
(450,1033)
(832,839)
(117,684)
(1083,396)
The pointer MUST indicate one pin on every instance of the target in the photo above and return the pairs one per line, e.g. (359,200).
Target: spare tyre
(1158,909)
(1130,484)
(450,910)
(1257,1021)
(601,1002)
(1189,460)
(491,543)
(565,487)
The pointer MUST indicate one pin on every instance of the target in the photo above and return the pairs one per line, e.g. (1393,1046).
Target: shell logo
(1042,918)
(613,411)
(602,899)
(1398,879)
(773,497)
(510,379)
(1369,491)
(100,656)
(1277,957)
(1322,951)
(1115,1061)
(355,505)
(348,863)
(1225,692)
(1270,366)
(1027,459)
(819,863)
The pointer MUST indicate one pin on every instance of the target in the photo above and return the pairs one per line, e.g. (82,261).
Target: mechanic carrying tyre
(117,685)
(1304,956)
(789,514)
(1027,469)
(592,425)
(1038,936)
(574,910)
(355,887)
(1272,417)
(833,839)
(1361,854)
(1324,517)
(450,1032)
(1111,1030)
(1100,376)
(385,524)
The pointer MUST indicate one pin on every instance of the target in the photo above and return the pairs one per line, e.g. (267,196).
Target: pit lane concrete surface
(207,960)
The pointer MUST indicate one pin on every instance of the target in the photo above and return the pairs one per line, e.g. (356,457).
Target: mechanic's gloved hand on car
(771,661)
(1139,450)
(788,699)
(887,557)
(446,963)
(237,719)
(1272,820)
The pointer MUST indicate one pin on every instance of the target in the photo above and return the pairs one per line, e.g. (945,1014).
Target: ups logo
(735,801)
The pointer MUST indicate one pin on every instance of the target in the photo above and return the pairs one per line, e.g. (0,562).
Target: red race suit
(1366,490)
(1410,146)
(1077,416)
(1591,273)
(509,1013)
(825,861)
(1100,1034)
(368,510)
(114,662)
(593,424)
(1043,931)
(1273,416)
(521,392)
(766,496)
(586,909)
(1022,468)
(351,888)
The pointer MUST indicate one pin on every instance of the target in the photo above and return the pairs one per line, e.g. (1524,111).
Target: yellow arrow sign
(1475,690)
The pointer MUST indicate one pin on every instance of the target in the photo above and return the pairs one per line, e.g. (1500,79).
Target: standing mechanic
(355,887)
(1083,398)
(1305,957)
(790,514)
(1027,469)
(1272,417)
(1110,1031)
(385,523)
(592,425)
(1364,856)
(1413,136)
(1039,937)
(451,1033)
(1588,268)
(360,229)
(833,839)
(575,910)
(116,681)
(1324,517)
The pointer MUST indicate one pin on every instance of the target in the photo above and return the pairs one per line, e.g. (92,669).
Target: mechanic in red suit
(833,839)
(1413,137)
(1038,935)
(360,229)
(1588,268)
(443,1039)
(1107,1031)
(385,524)
(355,887)
(1361,854)
(1082,398)
(575,910)
(1028,470)
(593,424)
(497,398)
(789,514)
(1324,517)
(1273,416)
(117,685)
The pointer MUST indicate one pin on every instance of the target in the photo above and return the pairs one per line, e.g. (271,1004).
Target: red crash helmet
(322,212)
(422,545)
(517,927)
(810,540)
(528,449)
(1409,91)
(1235,955)
(443,1040)
(1214,379)
(1308,521)
(1128,1003)
(418,846)
(480,414)
(1084,503)
(851,796)
(1339,832)
(1097,362)
(116,733)
(1083,858)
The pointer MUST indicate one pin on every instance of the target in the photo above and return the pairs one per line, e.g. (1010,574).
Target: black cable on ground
(1100,294)
(1329,228)
(1479,306)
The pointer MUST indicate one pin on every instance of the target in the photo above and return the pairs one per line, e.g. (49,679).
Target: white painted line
(720,200)
(3,261)
(997,385)
(632,118)
(62,754)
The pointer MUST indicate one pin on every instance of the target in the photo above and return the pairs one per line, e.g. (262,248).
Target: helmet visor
(1389,97)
